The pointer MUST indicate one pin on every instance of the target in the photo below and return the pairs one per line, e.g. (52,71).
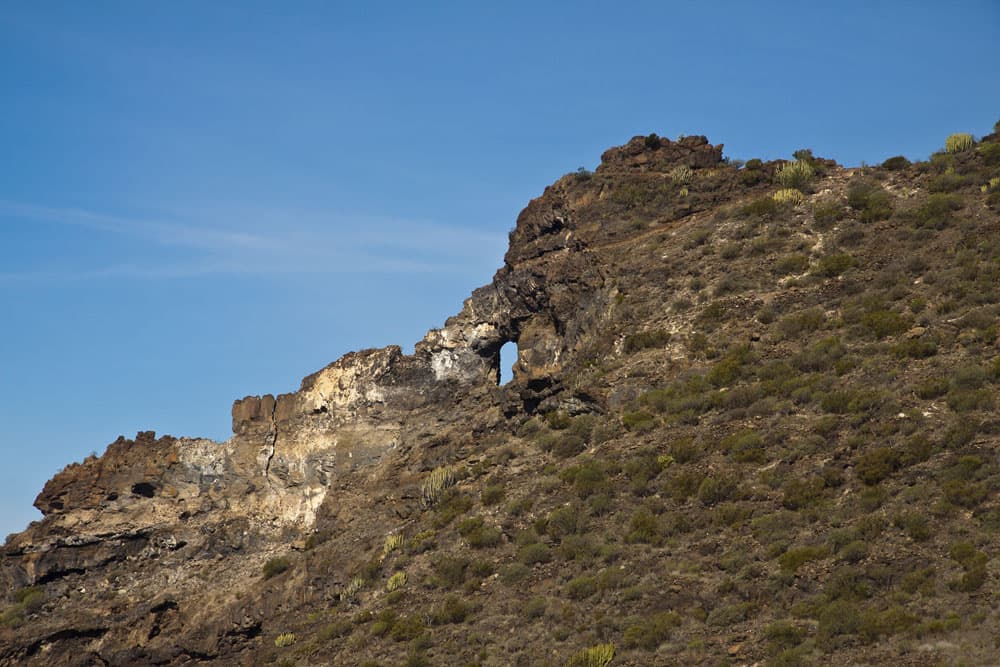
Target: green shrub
(531,554)
(451,610)
(798,493)
(450,506)
(587,478)
(335,630)
(581,588)
(915,525)
(641,469)
(966,400)
(820,356)
(477,534)
(883,323)
(870,200)
(921,580)
(276,566)
(833,265)
(684,450)
(936,211)
(993,200)
(763,207)
(407,629)
(916,348)
(728,369)
(964,493)
(644,528)
(783,635)
(990,153)
(974,564)
(795,262)
(535,607)
(715,489)
(827,212)
(492,494)
(802,322)
(558,420)
(384,622)
(847,583)
(645,339)
(451,571)
(933,387)
(854,552)
(793,559)
(747,446)
(567,445)
(968,376)
(564,521)
(30,597)
(639,421)
(649,632)
(958,142)
(725,616)
(514,573)
(949,181)
(876,464)
(896,163)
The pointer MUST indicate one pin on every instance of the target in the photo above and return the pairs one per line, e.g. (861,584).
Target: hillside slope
(753,421)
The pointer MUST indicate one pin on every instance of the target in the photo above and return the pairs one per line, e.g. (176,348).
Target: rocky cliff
(723,409)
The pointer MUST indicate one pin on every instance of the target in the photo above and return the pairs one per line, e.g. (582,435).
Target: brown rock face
(129,468)
(659,154)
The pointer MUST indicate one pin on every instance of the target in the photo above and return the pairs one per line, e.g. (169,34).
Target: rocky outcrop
(659,154)
(148,521)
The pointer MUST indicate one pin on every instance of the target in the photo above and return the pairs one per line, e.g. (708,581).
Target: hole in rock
(508,357)
(144,489)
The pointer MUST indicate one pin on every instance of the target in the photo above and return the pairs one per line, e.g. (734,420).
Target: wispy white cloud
(261,242)
(161,232)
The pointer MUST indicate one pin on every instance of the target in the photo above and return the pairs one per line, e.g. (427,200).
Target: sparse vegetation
(275,566)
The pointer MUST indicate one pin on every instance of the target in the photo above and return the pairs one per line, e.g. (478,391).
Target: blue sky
(200,201)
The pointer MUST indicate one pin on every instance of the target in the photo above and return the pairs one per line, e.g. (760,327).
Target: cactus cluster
(352,588)
(595,656)
(392,542)
(795,174)
(437,482)
(958,142)
(788,196)
(397,580)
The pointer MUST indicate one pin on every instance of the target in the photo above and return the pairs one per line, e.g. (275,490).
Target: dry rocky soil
(753,422)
